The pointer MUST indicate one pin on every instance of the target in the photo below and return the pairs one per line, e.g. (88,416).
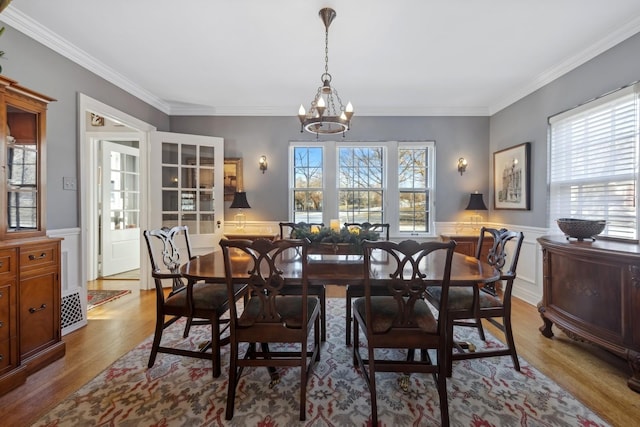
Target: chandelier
(327,114)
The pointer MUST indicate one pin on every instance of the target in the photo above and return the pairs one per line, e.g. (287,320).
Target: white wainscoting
(74,293)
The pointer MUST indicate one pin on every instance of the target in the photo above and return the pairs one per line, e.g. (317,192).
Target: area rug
(180,391)
(97,297)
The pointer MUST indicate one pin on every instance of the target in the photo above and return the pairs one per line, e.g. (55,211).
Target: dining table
(339,269)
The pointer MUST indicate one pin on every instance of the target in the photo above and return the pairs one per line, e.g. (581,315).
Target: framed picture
(511,177)
(232,177)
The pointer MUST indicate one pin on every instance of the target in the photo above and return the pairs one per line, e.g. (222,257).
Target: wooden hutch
(30,292)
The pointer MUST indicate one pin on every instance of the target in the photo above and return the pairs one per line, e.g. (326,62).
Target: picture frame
(232,177)
(512,178)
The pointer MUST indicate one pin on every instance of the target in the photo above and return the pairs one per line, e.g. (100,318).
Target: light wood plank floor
(594,376)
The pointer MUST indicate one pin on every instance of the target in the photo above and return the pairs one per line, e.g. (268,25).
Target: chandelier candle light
(327,114)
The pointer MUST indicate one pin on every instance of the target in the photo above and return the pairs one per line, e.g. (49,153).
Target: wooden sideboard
(30,334)
(591,291)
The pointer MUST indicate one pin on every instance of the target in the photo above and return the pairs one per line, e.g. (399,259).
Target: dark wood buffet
(591,291)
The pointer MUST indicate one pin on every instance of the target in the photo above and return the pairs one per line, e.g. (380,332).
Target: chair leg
(442,392)
(233,379)
(215,346)
(356,342)
(303,380)
(448,353)
(348,318)
(187,327)
(323,313)
(508,333)
(157,337)
(372,388)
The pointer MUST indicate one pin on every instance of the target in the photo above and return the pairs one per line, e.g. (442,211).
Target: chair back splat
(200,303)
(400,318)
(271,314)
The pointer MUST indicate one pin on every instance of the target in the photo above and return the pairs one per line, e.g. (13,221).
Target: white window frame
(593,154)
(391,193)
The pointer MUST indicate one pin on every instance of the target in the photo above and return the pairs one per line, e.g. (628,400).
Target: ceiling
(265,58)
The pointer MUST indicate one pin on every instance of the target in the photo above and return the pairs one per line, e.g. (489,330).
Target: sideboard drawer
(37,257)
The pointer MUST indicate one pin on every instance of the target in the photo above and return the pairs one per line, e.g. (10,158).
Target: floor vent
(71,310)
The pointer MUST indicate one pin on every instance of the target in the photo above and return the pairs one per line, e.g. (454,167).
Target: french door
(187,186)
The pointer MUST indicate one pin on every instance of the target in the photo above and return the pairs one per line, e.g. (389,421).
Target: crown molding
(43,35)
(615,37)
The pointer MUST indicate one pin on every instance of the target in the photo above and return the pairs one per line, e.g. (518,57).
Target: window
(593,163)
(387,182)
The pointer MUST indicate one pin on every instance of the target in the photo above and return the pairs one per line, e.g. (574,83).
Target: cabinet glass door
(22,170)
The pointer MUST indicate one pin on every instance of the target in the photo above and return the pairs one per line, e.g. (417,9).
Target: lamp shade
(476,203)
(240,200)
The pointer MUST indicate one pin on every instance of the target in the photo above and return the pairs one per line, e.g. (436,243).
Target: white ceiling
(259,57)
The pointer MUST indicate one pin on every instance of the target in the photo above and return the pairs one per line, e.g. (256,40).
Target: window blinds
(593,163)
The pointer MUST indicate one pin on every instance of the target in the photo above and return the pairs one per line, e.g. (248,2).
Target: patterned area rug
(97,297)
(180,391)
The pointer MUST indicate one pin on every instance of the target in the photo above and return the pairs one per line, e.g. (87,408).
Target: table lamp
(476,204)
(240,202)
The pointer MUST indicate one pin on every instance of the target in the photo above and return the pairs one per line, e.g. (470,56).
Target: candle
(335,225)
(315,229)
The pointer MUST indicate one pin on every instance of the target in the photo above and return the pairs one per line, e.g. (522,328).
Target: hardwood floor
(595,377)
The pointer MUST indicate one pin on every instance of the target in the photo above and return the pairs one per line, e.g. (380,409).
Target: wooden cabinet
(30,291)
(591,291)
(468,244)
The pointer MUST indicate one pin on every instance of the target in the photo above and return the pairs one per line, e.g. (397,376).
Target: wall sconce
(263,163)
(462,165)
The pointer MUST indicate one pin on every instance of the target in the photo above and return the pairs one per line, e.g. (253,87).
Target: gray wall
(475,138)
(41,69)
(526,120)
(250,137)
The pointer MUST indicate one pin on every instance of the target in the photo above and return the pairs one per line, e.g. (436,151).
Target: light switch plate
(69,183)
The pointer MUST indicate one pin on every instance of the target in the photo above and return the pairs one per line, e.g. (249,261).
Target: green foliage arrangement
(329,236)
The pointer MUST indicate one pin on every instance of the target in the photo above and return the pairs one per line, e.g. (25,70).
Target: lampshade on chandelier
(327,114)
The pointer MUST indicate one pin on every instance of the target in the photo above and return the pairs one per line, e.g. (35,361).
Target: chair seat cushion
(289,307)
(461,297)
(206,296)
(385,312)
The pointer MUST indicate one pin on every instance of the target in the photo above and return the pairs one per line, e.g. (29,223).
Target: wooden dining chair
(287,229)
(402,319)
(468,305)
(199,303)
(353,291)
(271,316)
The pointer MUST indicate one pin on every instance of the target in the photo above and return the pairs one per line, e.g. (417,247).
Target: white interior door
(187,186)
(119,208)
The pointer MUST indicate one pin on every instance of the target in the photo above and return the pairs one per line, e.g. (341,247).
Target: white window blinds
(593,163)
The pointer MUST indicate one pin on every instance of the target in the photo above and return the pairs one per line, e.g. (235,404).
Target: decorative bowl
(581,228)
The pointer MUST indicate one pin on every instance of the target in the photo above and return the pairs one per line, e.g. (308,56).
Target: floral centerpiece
(344,237)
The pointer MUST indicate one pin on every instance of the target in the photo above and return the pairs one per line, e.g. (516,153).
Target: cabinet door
(22,140)
(8,321)
(38,324)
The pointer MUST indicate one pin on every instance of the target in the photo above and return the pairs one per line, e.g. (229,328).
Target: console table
(591,292)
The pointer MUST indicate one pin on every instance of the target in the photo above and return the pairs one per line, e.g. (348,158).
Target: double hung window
(381,182)
(593,163)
